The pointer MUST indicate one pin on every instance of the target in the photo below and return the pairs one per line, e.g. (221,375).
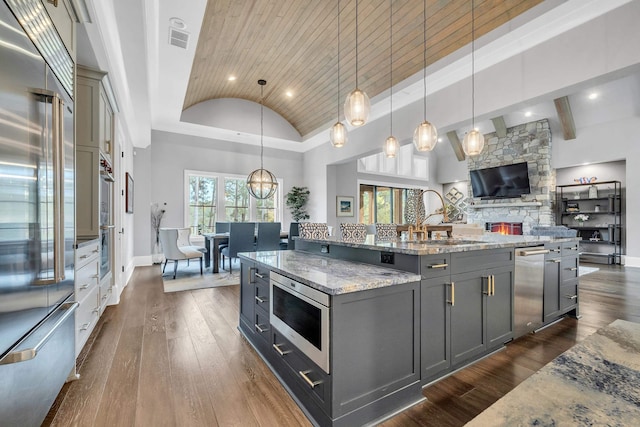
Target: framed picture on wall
(129,194)
(344,206)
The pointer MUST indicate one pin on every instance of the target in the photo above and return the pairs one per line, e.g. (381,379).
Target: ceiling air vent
(178,38)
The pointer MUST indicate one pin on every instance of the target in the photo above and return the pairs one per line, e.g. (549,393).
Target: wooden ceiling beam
(500,126)
(456,144)
(566,117)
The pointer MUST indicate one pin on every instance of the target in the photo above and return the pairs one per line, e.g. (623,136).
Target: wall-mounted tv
(508,181)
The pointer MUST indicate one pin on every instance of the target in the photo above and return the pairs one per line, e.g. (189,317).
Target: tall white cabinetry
(94,199)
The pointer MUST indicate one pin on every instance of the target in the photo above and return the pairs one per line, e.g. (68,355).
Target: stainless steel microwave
(301,314)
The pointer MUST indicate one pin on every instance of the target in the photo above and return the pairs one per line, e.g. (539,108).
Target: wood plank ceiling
(293,45)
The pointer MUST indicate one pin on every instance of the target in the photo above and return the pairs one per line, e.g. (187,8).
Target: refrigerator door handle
(57,136)
(58,170)
(32,352)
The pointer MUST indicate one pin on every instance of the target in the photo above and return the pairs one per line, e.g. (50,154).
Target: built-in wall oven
(301,314)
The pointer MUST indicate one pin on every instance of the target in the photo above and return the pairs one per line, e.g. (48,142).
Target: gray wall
(162,168)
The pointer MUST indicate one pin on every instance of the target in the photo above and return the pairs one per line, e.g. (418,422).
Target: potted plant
(297,198)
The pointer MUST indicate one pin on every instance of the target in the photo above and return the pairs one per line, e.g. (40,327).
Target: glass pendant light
(261,183)
(338,134)
(425,137)
(473,142)
(391,145)
(357,106)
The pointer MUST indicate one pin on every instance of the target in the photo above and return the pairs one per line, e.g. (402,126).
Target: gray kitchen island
(355,329)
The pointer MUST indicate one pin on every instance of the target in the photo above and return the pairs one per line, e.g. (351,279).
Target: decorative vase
(156,253)
(593,192)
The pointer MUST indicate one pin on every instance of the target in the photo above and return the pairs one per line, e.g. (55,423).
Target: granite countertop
(593,383)
(430,247)
(329,275)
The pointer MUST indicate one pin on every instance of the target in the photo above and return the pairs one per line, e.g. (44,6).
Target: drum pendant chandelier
(261,183)
(357,106)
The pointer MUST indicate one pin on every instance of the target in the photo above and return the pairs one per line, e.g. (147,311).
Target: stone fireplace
(531,143)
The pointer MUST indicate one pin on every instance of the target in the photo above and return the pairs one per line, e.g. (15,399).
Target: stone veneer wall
(530,142)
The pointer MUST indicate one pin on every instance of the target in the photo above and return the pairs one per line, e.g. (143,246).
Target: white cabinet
(94,149)
(94,113)
(87,290)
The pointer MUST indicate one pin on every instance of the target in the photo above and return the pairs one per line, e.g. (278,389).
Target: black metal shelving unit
(602,234)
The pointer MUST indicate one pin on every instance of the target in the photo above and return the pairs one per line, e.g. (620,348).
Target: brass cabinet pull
(260,300)
(279,351)
(488,292)
(493,285)
(557,261)
(453,294)
(572,296)
(308,380)
(443,265)
(259,275)
(573,269)
(252,269)
(259,328)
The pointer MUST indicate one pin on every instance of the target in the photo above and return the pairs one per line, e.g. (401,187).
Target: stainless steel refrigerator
(37,186)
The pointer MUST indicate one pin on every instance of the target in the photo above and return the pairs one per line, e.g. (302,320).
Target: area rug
(189,278)
(596,382)
(586,270)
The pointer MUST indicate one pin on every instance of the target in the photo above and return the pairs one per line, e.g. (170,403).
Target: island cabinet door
(375,349)
(247,296)
(467,316)
(435,319)
(500,301)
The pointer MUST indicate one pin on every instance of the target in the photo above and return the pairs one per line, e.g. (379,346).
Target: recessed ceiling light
(289,94)
(439,139)
(593,95)
(232,78)
(528,114)
(177,23)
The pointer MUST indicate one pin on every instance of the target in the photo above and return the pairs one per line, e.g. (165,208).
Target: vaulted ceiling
(293,44)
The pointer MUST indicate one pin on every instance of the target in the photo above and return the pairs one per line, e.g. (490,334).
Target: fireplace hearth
(503,227)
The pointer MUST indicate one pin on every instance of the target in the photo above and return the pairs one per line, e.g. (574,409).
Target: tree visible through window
(266,208)
(236,200)
(202,204)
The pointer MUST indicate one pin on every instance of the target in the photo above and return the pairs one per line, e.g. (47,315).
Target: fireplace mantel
(504,205)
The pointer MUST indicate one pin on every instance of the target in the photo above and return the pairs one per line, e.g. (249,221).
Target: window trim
(386,184)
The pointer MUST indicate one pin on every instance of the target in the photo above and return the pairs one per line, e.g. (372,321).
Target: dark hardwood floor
(178,359)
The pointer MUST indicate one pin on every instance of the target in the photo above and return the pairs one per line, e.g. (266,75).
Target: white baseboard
(144,260)
(631,261)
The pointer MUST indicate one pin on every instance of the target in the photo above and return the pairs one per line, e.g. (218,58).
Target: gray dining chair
(268,237)
(222,227)
(241,239)
(294,230)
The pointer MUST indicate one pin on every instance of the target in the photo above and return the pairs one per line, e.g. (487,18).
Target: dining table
(215,239)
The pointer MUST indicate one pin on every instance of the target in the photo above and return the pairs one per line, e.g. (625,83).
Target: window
(382,204)
(215,197)
(202,204)
(236,200)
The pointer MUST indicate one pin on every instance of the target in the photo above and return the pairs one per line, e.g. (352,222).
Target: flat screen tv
(508,181)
